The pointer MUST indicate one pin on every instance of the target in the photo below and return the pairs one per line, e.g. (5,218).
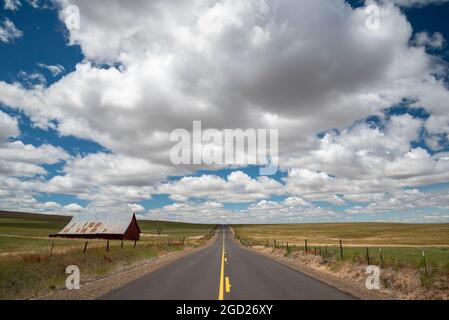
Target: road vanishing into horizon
(226,271)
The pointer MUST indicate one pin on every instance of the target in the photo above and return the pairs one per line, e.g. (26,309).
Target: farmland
(361,234)
(418,250)
(398,244)
(32,264)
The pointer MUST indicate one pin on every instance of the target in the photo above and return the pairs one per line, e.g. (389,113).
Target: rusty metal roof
(98,223)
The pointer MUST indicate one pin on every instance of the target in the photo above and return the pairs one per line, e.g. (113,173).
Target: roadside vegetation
(414,257)
(32,264)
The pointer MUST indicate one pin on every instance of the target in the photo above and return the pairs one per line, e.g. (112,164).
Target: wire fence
(427,259)
(56,246)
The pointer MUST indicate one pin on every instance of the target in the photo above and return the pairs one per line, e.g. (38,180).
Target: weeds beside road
(409,270)
(31,264)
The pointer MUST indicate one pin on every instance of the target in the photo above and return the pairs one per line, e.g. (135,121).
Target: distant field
(395,243)
(363,234)
(173,229)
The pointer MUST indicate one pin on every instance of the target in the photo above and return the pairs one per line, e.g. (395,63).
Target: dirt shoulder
(349,277)
(96,288)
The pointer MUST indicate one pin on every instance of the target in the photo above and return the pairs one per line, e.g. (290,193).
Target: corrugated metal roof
(98,223)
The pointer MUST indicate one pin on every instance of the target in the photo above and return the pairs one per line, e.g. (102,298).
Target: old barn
(113,226)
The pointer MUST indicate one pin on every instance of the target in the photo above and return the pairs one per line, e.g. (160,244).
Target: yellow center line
(228,285)
(221,290)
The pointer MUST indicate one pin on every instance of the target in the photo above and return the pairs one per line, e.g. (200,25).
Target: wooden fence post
(367,256)
(424,261)
(51,250)
(121,245)
(85,247)
(341,249)
(305,245)
(381,257)
(135,243)
(287,245)
(107,245)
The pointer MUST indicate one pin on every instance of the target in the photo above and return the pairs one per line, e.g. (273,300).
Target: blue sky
(86,112)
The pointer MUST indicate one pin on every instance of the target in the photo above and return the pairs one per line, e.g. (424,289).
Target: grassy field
(27,232)
(387,243)
(29,267)
(361,234)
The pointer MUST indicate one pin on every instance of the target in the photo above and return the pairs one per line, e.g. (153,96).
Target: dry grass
(405,282)
(362,234)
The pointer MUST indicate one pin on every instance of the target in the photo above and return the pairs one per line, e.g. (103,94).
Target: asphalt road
(226,271)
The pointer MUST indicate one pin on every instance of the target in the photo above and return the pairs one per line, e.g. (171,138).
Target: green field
(32,264)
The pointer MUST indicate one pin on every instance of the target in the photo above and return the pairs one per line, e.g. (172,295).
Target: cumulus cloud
(366,158)
(11,4)
(34,80)
(19,159)
(181,62)
(434,41)
(55,70)
(237,187)
(8,31)
(240,64)
(106,179)
(136,208)
(263,211)
(8,127)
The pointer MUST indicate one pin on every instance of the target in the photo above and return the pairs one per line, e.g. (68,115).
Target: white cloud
(33,80)
(434,41)
(73,207)
(44,154)
(238,64)
(8,127)
(8,31)
(237,187)
(11,4)
(136,208)
(366,158)
(106,179)
(55,70)
(23,160)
